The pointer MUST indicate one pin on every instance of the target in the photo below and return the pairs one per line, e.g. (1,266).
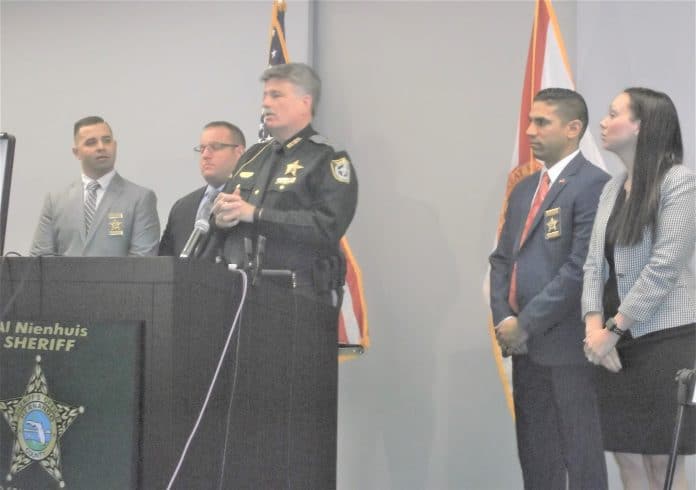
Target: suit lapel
(528,204)
(555,190)
(76,203)
(191,211)
(606,207)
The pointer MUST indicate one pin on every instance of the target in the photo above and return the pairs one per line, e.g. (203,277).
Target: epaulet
(323,140)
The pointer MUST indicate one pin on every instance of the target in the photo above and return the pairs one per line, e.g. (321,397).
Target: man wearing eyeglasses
(102,214)
(296,190)
(221,145)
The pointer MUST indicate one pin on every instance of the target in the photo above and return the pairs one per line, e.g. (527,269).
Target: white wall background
(157,71)
(424,95)
(626,44)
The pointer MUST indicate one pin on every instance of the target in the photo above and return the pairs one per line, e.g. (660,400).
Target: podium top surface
(116,269)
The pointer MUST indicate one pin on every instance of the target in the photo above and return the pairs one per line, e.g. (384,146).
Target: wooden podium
(271,422)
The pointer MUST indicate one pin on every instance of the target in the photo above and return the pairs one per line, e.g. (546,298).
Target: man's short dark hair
(569,105)
(237,135)
(89,121)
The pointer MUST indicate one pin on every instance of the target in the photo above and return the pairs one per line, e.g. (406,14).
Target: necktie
(205,208)
(90,203)
(533,210)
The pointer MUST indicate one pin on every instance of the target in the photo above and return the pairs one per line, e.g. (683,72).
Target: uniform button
(256,191)
(281,187)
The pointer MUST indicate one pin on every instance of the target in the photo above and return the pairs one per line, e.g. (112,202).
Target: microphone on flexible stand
(200,229)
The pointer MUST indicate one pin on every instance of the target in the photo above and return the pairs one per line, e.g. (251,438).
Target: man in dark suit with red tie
(536,285)
(221,145)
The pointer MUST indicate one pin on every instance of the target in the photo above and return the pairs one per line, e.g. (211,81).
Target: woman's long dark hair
(658,148)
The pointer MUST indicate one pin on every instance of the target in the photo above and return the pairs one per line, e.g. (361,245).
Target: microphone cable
(213,381)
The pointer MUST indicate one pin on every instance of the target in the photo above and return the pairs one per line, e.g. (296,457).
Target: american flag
(277,52)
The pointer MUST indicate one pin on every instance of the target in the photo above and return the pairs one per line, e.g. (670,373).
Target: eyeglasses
(214,146)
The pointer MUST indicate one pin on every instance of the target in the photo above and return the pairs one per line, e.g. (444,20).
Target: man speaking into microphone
(296,191)
(281,216)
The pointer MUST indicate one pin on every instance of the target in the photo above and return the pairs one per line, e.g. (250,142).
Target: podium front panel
(70,395)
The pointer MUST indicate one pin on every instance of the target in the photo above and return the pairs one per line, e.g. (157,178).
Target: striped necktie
(90,203)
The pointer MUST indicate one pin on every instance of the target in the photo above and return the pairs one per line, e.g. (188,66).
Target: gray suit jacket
(125,223)
(656,285)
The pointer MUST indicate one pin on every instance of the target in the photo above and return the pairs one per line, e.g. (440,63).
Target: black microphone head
(202,225)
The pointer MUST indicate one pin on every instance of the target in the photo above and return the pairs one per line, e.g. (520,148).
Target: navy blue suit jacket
(549,262)
(180,223)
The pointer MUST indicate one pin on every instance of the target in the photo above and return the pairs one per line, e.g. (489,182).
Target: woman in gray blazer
(638,297)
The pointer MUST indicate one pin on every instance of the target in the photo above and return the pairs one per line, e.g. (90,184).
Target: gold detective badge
(552,223)
(38,423)
(115,224)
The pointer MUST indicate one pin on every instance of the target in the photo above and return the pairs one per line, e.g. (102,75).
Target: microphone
(200,229)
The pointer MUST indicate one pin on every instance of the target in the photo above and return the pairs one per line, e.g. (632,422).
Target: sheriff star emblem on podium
(38,423)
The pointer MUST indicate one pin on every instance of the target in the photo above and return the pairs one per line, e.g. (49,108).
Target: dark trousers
(557,423)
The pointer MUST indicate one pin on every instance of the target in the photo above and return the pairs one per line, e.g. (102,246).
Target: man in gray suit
(102,214)
(221,145)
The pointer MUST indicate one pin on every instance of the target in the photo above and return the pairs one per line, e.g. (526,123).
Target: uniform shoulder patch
(340,168)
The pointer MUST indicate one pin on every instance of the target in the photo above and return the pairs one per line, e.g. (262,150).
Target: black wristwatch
(610,325)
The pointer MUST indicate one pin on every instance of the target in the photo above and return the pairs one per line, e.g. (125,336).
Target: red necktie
(536,204)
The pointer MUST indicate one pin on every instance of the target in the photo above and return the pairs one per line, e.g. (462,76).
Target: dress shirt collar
(104,180)
(209,190)
(556,170)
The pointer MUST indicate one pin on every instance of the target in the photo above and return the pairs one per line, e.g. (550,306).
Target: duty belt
(326,275)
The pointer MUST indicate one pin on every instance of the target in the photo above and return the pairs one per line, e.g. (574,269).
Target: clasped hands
(230,209)
(511,338)
(600,344)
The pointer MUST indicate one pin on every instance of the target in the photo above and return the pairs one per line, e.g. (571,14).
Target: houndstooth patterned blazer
(655,278)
